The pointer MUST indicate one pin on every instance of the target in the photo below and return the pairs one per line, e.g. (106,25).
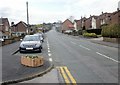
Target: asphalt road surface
(88,62)
(12,69)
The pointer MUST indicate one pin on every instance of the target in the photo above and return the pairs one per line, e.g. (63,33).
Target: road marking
(49,54)
(73,42)
(68,78)
(48,48)
(48,51)
(107,57)
(50,59)
(64,76)
(84,47)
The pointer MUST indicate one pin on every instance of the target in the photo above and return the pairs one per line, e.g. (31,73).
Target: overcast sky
(53,10)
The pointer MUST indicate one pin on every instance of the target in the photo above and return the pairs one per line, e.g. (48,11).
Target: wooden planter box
(32,62)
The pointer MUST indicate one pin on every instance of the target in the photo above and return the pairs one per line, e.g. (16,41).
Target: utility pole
(27,19)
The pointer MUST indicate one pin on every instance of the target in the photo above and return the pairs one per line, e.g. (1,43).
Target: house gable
(21,26)
(67,25)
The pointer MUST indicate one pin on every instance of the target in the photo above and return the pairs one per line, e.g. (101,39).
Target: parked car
(40,36)
(68,31)
(30,43)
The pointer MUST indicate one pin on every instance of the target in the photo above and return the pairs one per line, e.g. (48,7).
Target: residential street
(60,41)
(88,62)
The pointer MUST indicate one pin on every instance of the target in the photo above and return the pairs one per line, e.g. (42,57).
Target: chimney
(102,12)
(12,23)
(118,9)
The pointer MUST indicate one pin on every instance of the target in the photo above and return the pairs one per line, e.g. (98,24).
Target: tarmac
(53,76)
(46,68)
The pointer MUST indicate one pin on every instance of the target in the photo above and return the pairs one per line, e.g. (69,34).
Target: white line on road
(48,48)
(49,54)
(73,42)
(84,47)
(48,51)
(50,59)
(107,57)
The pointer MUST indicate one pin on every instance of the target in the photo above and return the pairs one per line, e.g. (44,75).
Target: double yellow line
(68,78)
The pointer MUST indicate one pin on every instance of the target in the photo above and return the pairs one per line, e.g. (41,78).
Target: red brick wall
(65,25)
(5,23)
(78,24)
(88,23)
(21,27)
(98,23)
(115,17)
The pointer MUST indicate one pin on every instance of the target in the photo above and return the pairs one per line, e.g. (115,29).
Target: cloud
(5,12)
(53,10)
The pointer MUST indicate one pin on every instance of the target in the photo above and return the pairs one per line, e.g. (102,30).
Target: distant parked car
(30,43)
(40,36)
(68,31)
(1,39)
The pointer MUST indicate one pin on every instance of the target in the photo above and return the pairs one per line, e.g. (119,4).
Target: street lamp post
(27,19)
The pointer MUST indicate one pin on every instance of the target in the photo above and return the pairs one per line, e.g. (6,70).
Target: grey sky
(53,10)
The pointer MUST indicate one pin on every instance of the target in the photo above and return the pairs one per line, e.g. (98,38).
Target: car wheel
(40,50)
(41,47)
(20,50)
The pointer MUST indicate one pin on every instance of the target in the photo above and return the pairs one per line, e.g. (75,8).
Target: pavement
(100,41)
(51,77)
(97,41)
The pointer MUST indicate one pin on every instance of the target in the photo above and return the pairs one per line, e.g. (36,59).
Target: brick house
(67,25)
(115,17)
(103,19)
(83,23)
(5,28)
(90,23)
(19,28)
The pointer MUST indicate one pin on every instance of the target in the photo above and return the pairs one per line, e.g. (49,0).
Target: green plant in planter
(31,56)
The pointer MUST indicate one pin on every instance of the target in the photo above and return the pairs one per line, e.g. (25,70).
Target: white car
(30,43)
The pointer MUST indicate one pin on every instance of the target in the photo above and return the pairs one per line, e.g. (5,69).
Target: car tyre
(40,50)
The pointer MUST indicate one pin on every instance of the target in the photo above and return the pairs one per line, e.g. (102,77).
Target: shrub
(89,35)
(112,31)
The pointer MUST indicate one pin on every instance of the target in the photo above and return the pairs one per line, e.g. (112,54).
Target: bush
(89,35)
(112,31)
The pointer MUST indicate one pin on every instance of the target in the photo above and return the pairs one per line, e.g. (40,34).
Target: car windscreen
(31,38)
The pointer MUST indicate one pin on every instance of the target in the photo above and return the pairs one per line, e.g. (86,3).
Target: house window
(31,29)
(6,28)
(4,37)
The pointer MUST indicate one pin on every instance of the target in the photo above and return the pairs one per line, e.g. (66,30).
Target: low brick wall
(113,40)
(9,41)
(17,38)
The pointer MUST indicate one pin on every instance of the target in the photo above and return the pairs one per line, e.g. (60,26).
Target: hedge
(89,35)
(112,31)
